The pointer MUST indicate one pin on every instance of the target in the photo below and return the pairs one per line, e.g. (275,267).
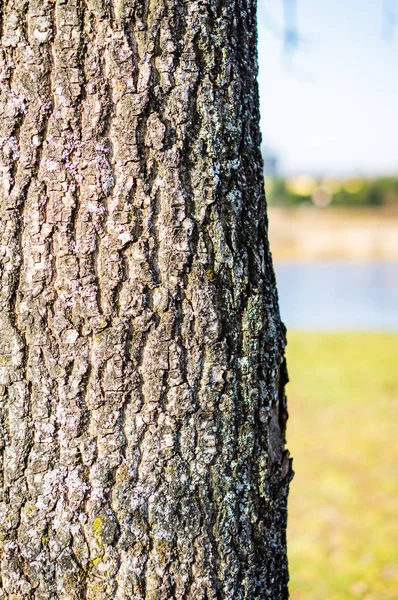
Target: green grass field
(342,434)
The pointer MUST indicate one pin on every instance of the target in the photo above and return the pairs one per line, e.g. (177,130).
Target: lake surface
(338,295)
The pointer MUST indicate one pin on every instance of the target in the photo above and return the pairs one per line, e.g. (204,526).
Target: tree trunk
(141,350)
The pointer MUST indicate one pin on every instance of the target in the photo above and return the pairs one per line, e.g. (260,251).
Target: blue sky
(332,106)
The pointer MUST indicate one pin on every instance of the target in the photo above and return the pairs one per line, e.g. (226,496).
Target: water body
(339,295)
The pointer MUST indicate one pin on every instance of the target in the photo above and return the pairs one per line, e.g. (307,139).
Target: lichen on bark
(141,353)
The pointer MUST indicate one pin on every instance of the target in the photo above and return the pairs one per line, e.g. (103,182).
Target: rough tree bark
(141,350)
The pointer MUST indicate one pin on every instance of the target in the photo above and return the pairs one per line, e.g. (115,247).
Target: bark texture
(141,349)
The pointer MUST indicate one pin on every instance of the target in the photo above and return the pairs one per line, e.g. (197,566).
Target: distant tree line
(332,191)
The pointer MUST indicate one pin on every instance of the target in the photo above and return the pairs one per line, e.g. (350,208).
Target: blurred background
(329,101)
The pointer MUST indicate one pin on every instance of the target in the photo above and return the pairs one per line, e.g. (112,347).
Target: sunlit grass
(342,433)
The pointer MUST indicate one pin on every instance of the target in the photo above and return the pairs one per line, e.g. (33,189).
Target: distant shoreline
(308,233)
